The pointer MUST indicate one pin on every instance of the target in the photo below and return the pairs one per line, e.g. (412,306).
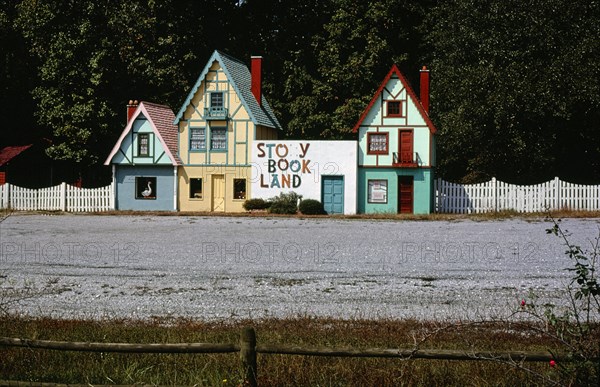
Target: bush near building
(311,207)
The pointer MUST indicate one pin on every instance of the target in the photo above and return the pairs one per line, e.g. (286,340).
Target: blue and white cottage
(145,161)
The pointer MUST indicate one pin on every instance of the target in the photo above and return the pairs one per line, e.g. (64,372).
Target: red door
(406,147)
(405,194)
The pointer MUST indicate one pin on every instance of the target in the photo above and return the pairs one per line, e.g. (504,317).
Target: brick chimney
(256,73)
(131,106)
(424,94)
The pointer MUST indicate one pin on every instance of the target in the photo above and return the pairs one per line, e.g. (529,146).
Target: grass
(274,370)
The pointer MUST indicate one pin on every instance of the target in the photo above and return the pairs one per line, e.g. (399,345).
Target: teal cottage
(396,149)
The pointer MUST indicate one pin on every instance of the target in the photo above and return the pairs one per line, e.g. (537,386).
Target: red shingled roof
(10,152)
(163,118)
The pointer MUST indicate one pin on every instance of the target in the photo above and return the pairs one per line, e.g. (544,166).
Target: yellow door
(218,193)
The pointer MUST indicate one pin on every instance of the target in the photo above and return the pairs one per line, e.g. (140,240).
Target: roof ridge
(232,58)
(239,76)
(156,104)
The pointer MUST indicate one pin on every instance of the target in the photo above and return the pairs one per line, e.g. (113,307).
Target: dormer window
(394,109)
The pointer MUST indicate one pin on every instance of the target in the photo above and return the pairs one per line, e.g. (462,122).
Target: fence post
(248,355)
(6,196)
(63,196)
(557,197)
(495,194)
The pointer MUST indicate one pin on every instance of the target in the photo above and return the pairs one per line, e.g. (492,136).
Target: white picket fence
(450,197)
(62,197)
(496,195)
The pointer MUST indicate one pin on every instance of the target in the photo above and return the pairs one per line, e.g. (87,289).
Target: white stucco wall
(284,166)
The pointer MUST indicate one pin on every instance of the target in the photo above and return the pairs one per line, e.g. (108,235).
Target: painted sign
(286,163)
(299,166)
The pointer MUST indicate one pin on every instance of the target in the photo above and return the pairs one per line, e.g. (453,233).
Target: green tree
(94,56)
(328,86)
(16,81)
(515,89)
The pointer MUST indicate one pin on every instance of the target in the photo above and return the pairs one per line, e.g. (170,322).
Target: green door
(333,194)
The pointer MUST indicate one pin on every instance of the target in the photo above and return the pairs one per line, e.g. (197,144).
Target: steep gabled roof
(161,119)
(239,76)
(10,152)
(413,97)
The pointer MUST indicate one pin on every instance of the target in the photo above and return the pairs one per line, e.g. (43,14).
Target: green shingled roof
(239,76)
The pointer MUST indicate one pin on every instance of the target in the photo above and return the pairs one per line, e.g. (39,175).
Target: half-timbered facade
(224,112)
(396,149)
(145,160)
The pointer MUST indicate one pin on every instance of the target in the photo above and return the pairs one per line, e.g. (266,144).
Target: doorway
(405,194)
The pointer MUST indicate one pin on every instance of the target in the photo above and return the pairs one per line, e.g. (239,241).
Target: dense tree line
(515,83)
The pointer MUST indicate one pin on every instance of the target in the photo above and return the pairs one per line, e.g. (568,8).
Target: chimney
(256,73)
(131,106)
(424,94)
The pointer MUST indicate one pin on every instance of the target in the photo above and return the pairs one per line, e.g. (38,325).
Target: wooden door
(218,193)
(405,194)
(333,194)
(406,147)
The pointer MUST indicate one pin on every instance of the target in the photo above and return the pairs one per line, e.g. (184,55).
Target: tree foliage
(515,84)
(329,84)
(516,91)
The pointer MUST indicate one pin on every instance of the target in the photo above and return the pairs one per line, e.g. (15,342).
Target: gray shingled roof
(239,75)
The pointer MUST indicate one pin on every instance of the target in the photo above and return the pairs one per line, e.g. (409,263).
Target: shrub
(311,207)
(256,204)
(285,203)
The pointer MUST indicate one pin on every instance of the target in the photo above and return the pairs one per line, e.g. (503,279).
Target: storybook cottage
(396,149)
(144,159)
(223,114)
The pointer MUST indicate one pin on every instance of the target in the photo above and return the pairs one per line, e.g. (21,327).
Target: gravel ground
(216,268)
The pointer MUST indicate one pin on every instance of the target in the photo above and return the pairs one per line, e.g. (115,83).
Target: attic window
(216,100)
(394,109)
(143,144)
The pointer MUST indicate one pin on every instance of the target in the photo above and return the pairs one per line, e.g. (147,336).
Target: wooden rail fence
(248,350)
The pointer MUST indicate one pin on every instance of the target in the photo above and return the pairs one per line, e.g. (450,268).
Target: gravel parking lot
(223,267)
